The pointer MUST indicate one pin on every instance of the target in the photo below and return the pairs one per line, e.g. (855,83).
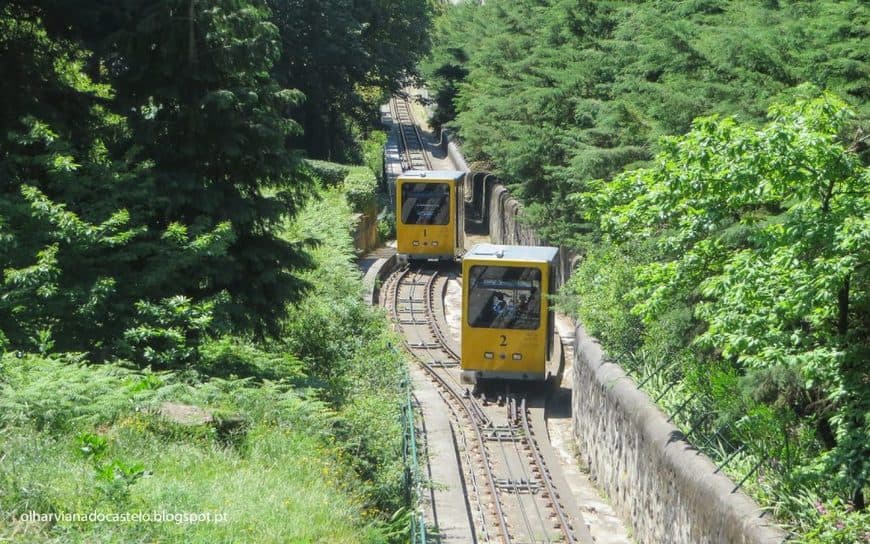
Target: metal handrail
(413,480)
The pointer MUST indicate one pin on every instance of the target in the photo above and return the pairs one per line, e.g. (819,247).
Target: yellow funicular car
(507,323)
(429,214)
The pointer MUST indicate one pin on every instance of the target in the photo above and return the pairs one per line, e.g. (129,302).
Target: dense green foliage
(554,93)
(747,251)
(728,268)
(331,173)
(157,217)
(82,439)
(147,157)
(361,187)
(346,347)
(138,188)
(346,57)
(305,443)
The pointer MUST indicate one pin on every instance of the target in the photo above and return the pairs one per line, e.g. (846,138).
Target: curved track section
(510,493)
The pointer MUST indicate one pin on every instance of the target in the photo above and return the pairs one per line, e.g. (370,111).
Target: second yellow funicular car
(507,323)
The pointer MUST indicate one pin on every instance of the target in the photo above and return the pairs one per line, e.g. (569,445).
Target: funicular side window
(503,297)
(425,203)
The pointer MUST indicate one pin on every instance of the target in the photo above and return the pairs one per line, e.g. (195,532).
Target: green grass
(283,482)
(346,346)
(305,447)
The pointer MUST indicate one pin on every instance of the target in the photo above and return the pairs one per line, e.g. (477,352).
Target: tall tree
(337,51)
(214,122)
(768,231)
(136,175)
(61,213)
(555,93)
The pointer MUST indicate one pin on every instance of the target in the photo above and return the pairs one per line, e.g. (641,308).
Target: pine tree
(214,122)
(133,176)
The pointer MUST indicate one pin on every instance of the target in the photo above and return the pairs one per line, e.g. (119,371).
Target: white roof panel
(433,174)
(514,253)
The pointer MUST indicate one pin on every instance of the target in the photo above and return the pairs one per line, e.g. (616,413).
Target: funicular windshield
(425,203)
(503,297)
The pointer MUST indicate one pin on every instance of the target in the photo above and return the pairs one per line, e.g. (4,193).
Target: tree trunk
(843,306)
(191,52)
(825,433)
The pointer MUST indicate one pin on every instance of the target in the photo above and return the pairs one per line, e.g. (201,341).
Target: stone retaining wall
(365,231)
(453,152)
(377,271)
(668,490)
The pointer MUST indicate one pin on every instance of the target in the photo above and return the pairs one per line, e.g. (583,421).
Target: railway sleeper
(503,433)
(445,364)
(519,487)
(425,345)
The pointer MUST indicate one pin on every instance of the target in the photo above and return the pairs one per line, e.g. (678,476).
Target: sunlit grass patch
(281,482)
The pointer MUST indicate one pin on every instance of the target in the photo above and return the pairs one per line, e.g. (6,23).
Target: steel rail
(408,130)
(545,476)
(477,418)
(436,328)
(471,474)
(476,415)
(515,486)
(476,426)
(483,421)
(414,291)
(394,290)
(505,444)
(525,475)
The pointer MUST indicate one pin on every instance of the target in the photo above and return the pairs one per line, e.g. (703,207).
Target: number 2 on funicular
(503,340)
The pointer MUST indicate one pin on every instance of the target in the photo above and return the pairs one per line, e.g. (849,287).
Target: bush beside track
(295,440)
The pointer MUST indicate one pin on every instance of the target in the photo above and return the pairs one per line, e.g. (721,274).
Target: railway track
(510,493)
(414,154)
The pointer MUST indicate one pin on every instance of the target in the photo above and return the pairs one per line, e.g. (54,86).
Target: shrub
(598,293)
(168,333)
(387,217)
(62,393)
(373,152)
(360,188)
(838,524)
(330,173)
(345,345)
